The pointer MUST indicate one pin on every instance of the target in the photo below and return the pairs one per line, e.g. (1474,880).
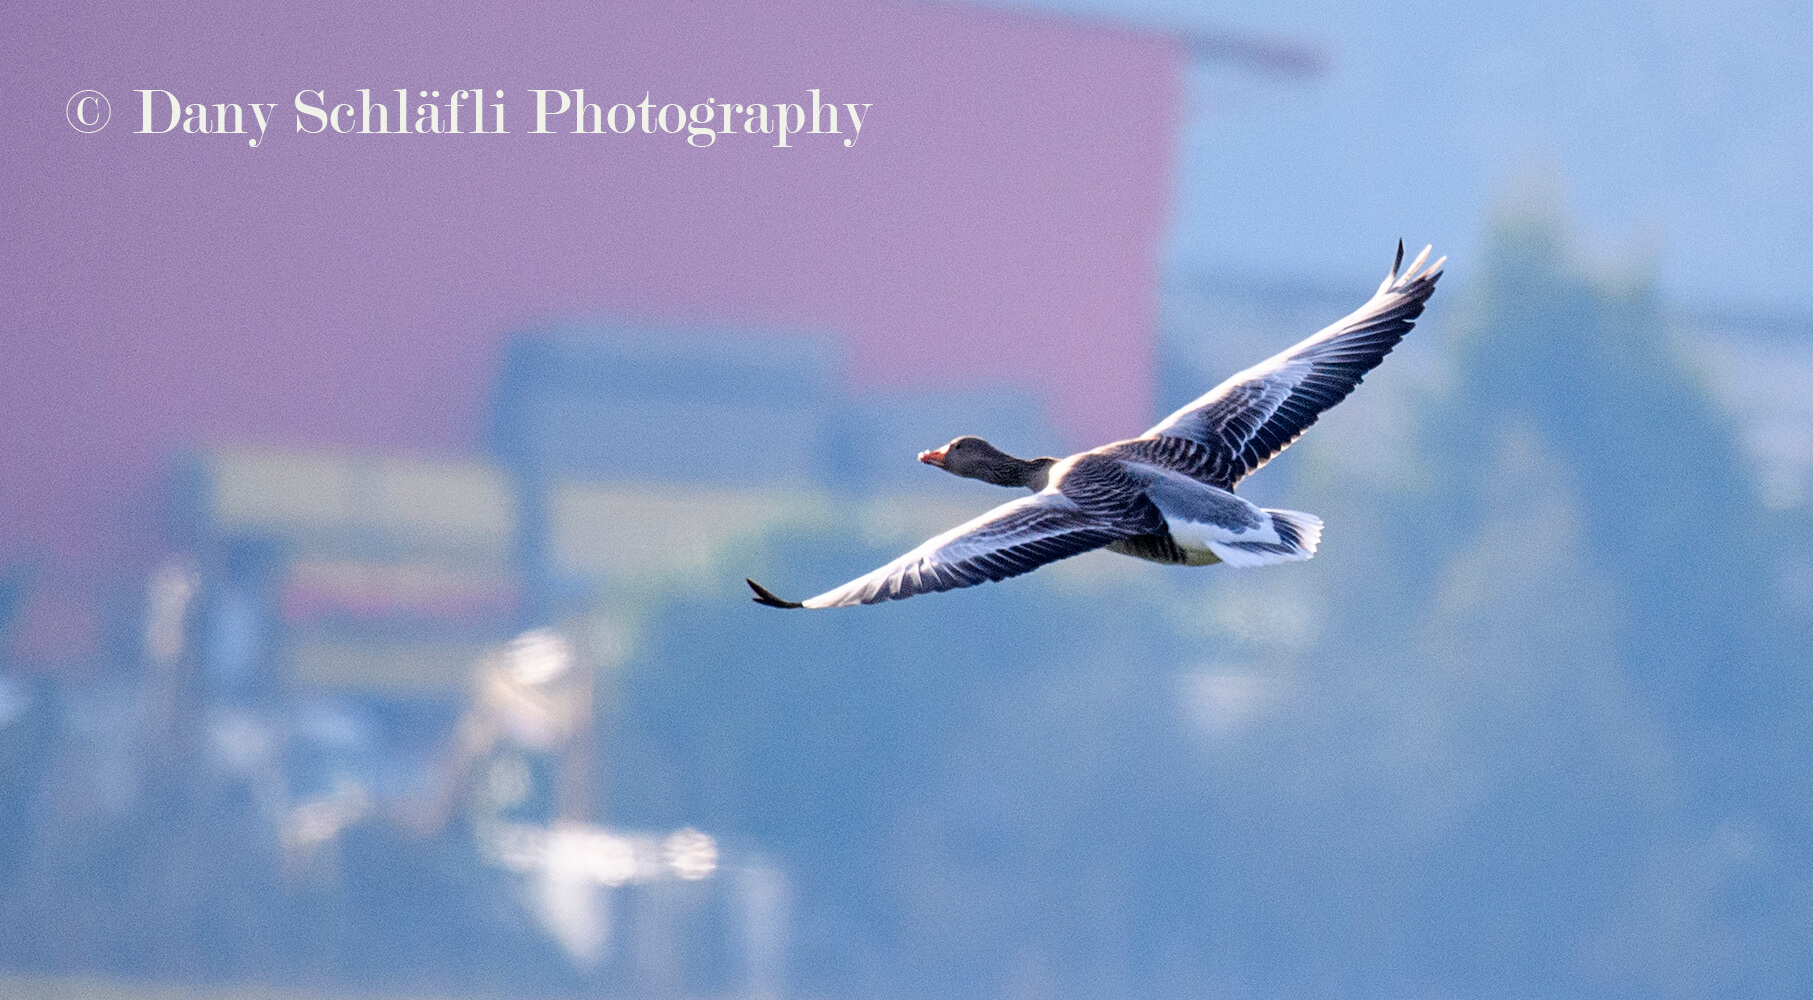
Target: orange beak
(934,457)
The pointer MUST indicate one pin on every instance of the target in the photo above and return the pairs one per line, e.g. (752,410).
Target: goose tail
(1300,532)
(1297,533)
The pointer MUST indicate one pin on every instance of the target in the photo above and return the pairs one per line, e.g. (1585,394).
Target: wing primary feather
(1418,262)
(765,596)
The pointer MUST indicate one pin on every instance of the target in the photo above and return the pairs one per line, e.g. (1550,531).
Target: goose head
(973,458)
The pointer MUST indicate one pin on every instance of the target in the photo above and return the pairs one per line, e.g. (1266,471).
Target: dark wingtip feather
(765,596)
(1400,261)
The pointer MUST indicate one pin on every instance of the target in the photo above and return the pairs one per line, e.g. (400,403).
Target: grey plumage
(1167,495)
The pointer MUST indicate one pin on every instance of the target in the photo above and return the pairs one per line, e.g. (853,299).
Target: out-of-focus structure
(337,487)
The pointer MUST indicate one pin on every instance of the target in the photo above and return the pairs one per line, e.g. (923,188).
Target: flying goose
(1167,495)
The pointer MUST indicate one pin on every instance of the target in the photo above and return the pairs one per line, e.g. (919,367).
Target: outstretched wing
(1247,420)
(1012,539)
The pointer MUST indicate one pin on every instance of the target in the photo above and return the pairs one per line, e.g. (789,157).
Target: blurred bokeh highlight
(374,513)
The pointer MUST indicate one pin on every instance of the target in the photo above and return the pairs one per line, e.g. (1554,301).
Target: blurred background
(374,509)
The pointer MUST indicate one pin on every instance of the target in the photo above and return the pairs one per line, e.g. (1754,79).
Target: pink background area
(997,222)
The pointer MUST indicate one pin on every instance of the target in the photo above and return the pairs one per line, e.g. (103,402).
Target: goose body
(1167,495)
